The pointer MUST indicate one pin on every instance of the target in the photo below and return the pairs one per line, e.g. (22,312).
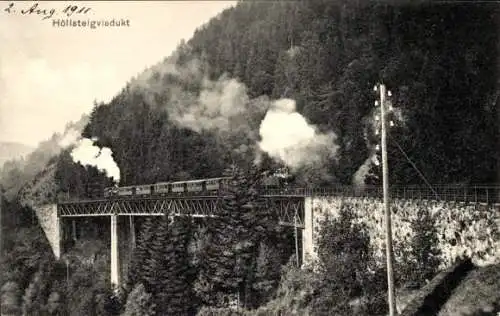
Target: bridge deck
(289,209)
(288,203)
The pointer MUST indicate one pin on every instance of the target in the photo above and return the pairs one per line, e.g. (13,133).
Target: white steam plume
(69,138)
(72,132)
(87,154)
(288,137)
(217,107)
(166,78)
(364,170)
(372,139)
(224,107)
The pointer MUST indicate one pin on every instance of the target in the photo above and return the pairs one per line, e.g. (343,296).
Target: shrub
(139,303)
(424,252)
(347,270)
(294,295)
(10,298)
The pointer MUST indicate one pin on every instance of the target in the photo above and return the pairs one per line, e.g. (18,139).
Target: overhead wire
(415,167)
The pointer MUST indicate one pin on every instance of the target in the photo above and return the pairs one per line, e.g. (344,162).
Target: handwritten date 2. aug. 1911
(45,13)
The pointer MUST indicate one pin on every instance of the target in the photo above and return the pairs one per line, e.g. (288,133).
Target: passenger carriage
(194,186)
(162,188)
(211,186)
(178,187)
(126,191)
(143,189)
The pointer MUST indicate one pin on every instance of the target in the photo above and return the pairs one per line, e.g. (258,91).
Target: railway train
(281,183)
(210,186)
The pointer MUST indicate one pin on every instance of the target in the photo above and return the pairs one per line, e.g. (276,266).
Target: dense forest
(438,60)
(206,110)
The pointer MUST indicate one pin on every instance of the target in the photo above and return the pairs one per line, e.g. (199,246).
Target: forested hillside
(210,103)
(267,84)
(11,150)
(17,175)
(440,62)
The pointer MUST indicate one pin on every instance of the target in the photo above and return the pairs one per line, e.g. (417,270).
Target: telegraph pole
(387,208)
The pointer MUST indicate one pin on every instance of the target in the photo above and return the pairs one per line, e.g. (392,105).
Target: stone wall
(463,230)
(47,217)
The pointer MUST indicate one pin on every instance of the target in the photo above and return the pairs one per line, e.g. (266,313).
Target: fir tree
(167,270)
(156,261)
(139,303)
(38,291)
(176,297)
(345,266)
(267,273)
(216,278)
(10,298)
(424,248)
(228,262)
(141,253)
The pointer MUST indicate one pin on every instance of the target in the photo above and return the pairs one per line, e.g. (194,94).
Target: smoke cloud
(287,136)
(193,101)
(69,138)
(364,170)
(225,107)
(395,117)
(248,126)
(219,106)
(169,79)
(372,139)
(87,154)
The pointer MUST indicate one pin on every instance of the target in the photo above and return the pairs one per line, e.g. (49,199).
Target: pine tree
(10,294)
(229,261)
(345,262)
(267,273)
(239,207)
(176,297)
(216,278)
(139,303)
(141,253)
(37,292)
(424,248)
(156,259)
(256,224)
(54,304)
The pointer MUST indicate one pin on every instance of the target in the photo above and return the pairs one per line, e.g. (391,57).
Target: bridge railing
(478,194)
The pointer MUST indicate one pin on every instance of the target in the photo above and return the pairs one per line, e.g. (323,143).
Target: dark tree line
(439,60)
(238,260)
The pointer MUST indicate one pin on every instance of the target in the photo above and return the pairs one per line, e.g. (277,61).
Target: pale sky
(51,75)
